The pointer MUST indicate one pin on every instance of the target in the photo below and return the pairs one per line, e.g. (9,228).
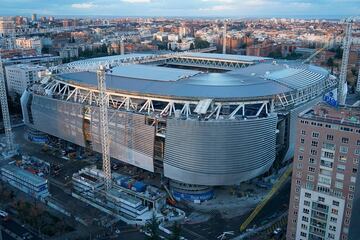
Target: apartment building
(325,172)
(20,76)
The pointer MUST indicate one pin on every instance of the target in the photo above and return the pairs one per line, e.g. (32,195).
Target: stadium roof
(259,80)
(240,58)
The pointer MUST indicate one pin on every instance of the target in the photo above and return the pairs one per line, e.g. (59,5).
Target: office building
(325,184)
(7,26)
(28,43)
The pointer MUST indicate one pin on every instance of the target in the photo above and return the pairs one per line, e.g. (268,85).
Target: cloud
(83,5)
(217,8)
(137,1)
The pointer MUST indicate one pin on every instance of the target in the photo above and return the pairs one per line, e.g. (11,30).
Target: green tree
(199,43)
(176,231)
(152,227)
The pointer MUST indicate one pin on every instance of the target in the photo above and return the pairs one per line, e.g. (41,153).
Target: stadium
(199,119)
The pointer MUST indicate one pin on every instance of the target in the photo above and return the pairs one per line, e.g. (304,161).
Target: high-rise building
(33,17)
(325,190)
(20,76)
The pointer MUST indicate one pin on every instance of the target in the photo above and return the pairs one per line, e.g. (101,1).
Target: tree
(192,46)
(199,43)
(176,230)
(152,227)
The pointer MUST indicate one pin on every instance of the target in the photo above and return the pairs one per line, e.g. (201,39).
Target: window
(306,203)
(302,140)
(342,159)
(334,211)
(303,234)
(339,185)
(313,152)
(303,132)
(328,155)
(357,151)
(308,195)
(351,188)
(311,169)
(310,178)
(332,228)
(314,143)
(305,219)
(303,226)
(300,157)
(333,219)
(353,179)
(339,176)
(358,142)
(299,165)
(306,211)
(315,135)
(321,199)
(335,203)
(330,137)
(340,167)
(356,161)
(350,196)
(345,140)
(354,170)
(344,149)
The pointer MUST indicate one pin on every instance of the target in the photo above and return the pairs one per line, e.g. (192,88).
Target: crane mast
(104,127)
(5,111)
(342,91)
(224,37)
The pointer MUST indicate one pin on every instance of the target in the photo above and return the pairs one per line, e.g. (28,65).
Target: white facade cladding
(196,127)
(219,152)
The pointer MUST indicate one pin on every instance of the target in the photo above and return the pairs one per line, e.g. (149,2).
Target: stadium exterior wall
(221,152)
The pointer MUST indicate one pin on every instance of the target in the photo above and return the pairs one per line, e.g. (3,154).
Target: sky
(184,8)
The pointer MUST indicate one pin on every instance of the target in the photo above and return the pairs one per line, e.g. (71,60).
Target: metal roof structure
(231,57)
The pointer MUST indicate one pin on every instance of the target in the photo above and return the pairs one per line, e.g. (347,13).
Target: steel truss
(157,107)
(300,96)
(207,62)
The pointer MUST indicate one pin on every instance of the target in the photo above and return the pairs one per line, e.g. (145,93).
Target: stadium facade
(199,119)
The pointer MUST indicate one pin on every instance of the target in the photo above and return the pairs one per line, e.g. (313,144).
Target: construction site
(186,137)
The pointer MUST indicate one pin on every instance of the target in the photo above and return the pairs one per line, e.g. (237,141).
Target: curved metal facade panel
(219,152)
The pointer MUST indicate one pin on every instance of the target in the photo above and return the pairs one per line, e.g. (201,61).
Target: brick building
(324,186)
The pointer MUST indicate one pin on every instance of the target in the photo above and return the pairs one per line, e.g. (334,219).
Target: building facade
(325,173)
(20,76)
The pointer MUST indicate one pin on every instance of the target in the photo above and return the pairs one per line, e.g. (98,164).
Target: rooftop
(23,174)
(259,80)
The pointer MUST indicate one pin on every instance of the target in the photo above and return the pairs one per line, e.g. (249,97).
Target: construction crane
(358,82)
(272,192)
(5,112)
(342,87)
(224,36)
(104,127)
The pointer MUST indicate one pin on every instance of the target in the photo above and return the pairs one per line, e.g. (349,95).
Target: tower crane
(342,87)
(224,36)
(10,148)
(104,127)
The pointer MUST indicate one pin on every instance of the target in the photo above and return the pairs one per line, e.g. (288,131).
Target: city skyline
(172,8)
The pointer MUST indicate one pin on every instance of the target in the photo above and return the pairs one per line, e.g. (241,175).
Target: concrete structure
(325,186)
(25,181)
(195,127)
(125,200)
(20,76)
